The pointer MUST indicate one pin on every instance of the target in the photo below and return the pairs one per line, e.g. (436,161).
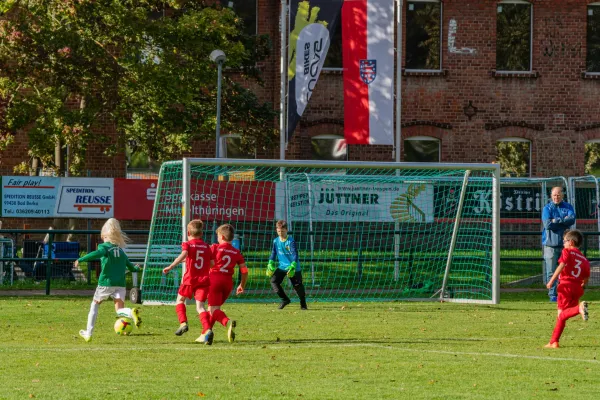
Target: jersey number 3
(578,268)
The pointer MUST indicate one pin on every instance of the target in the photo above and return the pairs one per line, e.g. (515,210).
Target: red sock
(205,321)
(180,310)
(220,316)
(561,321)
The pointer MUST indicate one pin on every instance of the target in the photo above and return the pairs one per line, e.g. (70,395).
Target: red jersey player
(221,277)
(573,272)
(196,281)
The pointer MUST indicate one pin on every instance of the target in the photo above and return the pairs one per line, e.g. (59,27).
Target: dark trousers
(279,275)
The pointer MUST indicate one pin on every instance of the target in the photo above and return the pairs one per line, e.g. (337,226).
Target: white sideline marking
(83,347)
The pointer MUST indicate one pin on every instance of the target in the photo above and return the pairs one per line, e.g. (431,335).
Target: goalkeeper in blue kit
(284,250)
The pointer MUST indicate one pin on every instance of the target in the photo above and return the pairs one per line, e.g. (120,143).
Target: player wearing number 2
(573,273)
(195,282)
(221,278)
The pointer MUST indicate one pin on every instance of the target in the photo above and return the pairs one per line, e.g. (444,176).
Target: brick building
(476,75)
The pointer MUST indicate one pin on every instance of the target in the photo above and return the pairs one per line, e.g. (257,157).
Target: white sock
(125,312)
(92,317)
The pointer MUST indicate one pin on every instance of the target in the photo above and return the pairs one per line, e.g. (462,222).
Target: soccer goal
(366,231)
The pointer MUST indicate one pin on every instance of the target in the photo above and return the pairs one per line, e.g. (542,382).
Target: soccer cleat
(283,304)
(206,338)
(553,345)
(583,310)
(231,324)
(553,299)
(135,313)
(183,328)
(85,335)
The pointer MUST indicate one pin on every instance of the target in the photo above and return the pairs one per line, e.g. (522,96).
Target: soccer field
(392,350)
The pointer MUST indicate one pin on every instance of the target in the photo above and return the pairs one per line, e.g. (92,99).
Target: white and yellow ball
(123,326)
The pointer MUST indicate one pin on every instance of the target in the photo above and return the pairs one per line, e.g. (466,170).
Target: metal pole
(283,72)
(398,79)
(218,137)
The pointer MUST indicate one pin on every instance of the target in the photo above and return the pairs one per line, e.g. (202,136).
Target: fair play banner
(328,201)
(29,196)
(134,198)
(85,198)
(368,54)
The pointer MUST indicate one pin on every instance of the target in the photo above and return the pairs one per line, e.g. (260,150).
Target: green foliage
(593,39)
(70,68)
(423,36)
(513,40)
(513,158)
(592,159)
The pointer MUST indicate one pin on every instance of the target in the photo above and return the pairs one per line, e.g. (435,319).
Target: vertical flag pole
(398,124)
(283,70)
(398,78)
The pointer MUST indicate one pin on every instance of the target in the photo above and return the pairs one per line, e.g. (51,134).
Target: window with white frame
(421,149)
(513,36)
(423,35)
(592,157)
(232,147)
(247,11)
(593,38)
(514,157)
(329,148)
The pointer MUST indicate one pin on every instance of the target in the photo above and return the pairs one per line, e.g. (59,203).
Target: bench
(137,254)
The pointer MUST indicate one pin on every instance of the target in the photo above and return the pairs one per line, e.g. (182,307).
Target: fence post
(49,263)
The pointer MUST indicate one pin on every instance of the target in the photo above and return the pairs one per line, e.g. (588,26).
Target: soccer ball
(123,326)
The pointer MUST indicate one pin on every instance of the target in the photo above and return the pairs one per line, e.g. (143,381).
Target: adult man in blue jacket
(557,216)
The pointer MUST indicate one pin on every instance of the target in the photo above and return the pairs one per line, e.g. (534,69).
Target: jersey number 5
(199,257)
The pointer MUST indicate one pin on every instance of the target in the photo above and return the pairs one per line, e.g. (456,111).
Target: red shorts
(569,294)
(220,289)
(198,291)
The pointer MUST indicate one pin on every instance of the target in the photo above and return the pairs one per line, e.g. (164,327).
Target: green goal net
(364,231)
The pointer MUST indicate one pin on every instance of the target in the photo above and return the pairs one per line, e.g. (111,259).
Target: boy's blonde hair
(112,232)
(227,231)
(574,235)
(281,224)
(195,228)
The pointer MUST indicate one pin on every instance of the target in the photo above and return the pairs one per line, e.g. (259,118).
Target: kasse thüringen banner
(312,25)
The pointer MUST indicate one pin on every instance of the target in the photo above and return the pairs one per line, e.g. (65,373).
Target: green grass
(387,350)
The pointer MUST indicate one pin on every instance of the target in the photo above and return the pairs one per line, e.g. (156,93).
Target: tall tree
(70,66)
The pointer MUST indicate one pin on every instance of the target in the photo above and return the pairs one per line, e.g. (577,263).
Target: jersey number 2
(224,267)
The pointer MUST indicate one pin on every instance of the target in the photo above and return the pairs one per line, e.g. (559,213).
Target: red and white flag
(368,51)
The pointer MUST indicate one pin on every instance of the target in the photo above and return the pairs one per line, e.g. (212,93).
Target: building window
(232,147)
(514,157)
(592,158)
(329,148)
(593,38)
(422,149)
(247,11)
(333,60)
(423,35)
(513,36)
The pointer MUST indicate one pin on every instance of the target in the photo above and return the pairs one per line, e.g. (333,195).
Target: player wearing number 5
(195,281)
(574,272)
(221,278)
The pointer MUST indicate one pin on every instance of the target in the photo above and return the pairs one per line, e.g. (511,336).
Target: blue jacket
(563,216)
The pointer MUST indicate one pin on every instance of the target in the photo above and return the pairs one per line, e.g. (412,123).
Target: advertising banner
(85,198)
(134,198)
(29,196)
(364,202)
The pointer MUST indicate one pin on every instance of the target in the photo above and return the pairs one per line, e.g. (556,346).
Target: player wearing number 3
(573,273)
(221,278)
(195,282)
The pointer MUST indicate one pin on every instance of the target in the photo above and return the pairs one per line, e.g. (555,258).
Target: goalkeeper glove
(270,268)
(292,269)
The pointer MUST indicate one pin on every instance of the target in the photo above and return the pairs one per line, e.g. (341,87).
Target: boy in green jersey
(111,282)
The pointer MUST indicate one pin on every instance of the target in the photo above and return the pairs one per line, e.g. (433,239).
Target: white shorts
(104,292)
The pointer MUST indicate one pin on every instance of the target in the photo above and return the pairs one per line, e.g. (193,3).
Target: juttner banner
(353,202)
